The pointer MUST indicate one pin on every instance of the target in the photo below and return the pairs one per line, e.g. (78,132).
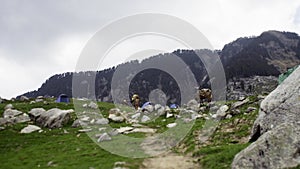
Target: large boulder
(54,118)
(278,148)
(276,131)
(9,113)
(35,113)
(280,106)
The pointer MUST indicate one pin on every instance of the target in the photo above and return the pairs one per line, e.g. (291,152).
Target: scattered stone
(157,107)
(54,118)
(9,113)
(30,129)
(239,103)
(85,105)
(24,98)
(228,116)
(102,121)
(93,105)
(142,130)
(38,100)
(169,115)
(250,109)
(171,125)
(104,137)
(8,106)
(32,102)
(148,108)
(116,118)
(77,123)
(145,119)
(136,116)
(214,108)
(85,130)
(115,111)
(124,129)
(235,112)
(40,97)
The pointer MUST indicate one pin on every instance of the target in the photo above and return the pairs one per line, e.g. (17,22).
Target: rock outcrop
(54,118)
(276,131)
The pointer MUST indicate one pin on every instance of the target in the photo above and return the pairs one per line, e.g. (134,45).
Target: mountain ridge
(268,54)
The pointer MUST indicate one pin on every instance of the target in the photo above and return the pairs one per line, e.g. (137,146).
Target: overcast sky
(40,38)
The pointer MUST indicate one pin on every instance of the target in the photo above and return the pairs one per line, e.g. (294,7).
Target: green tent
(283,76)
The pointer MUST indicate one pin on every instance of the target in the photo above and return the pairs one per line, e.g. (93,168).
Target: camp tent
(63,98)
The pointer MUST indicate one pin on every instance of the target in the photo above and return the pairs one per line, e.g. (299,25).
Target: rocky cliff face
(276,131)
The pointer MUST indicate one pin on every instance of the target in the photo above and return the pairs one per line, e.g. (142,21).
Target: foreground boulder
(276,131)
(278,148)
(280,106)
(54,118)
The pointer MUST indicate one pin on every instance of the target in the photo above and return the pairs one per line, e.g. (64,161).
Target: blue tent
(173,106)
(146,104)
(63,98)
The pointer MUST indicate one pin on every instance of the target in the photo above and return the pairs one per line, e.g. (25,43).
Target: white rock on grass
(93,105)
(145,119)
(124,129)
(101,121)
(8,106)
(30,129)
(104,137)
(116,118)
(9,113)
(171,125)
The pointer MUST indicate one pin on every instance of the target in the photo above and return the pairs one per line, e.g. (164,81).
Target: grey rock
(8,106)
(24,98)
(228,116)
(145,119)
(116,118)
(157,107)
(149,108)
(101,121)
(115,111)
(104,137)
(32,102)
(161,111)
(171,125)
(136,116)
(93,105)
(38,100)
(30,129)
(280,106)
(278,148)
(6,121)
(240,103)
(250,109)
(142,130)
(124,129)
(40,97)
(22,118)
(54,118)
(77,123)
(35,113)
(9,113)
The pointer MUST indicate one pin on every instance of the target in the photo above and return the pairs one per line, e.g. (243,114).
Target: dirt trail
(170,161)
